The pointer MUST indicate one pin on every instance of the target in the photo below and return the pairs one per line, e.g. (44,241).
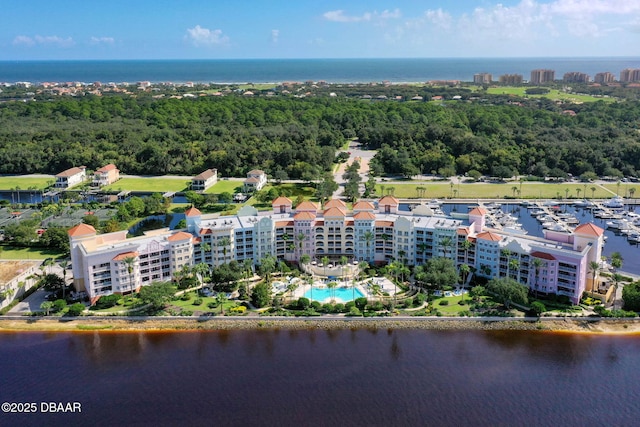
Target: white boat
(616,202)
(583,203)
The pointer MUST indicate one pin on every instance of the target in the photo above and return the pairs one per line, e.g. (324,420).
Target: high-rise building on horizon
(604,78)
(630,75)
(482,78)
(542,76)
(511,79)
(575,77)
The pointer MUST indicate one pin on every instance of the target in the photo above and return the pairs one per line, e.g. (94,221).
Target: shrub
(185,297)
(339,308)
(59,305)
(107,301)
(241,309)
(326,308)
(303,303)
(76,309)
(212,304)
(443,302)
(197,301)
(418,300)
(353,311)
(316,306)
(361,303)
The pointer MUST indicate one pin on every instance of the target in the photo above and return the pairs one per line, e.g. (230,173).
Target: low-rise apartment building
(376,232)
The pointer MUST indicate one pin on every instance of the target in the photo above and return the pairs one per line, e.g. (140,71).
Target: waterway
(323,377)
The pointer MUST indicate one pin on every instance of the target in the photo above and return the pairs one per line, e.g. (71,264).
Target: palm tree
(204,248)
(221,298)
(223,243)
(466,245)
(446,243)
(285,238)
(309,281)
(537,263)
(200,270)
(247,270)
(325,261)
(267,265)
(593,192)
(129,262)
(291,287)
(578,191)
(617,278)
(514,264)
(616,260)
(514,189)
(46,306)
(594,267)
(64,264)
(465,270)
(368,237)
(506,253)
(300,237)
(305,259)
(566,193)
(375,289)
(632,191)
(332,286)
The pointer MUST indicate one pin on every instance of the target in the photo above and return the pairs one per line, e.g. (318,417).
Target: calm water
(272,70)
(317,377)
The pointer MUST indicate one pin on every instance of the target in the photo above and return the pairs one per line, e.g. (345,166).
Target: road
(355,151)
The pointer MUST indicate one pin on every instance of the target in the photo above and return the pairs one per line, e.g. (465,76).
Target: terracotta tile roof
(81,229)
(279,201)
(122,256)
(389,200)
(334,212)
(106,168)
(192,211)
(304,216)
(256,172)
(384,223)
(363,206)
(206,174)
(542,255)
(252,180)
(180,235)
(364,216)
(69,172)
(307,206)
(335,203)
(478,211)
(351,223)
(463,231)
(589,229)
(488,235)
(284,223)
(204,231)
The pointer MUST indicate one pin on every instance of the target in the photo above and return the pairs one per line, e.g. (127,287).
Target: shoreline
(594,327)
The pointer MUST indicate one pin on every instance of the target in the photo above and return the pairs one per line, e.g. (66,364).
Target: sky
(224,29)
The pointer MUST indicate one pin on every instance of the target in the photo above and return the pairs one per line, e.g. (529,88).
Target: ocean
(275,71)
(374,377)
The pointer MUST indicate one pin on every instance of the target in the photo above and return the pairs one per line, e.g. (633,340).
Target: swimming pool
(339,294)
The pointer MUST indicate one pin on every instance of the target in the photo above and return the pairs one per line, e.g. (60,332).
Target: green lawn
(152,184)
(188,305)
(225,186)
(624,188)
(24,182)
(530,190)
(10,252)
(553,94)
(453,308)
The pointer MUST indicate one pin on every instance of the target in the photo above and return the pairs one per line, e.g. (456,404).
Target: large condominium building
(575,77)
(482,78)
(511,79)
(542,76)
(629,75)
(373,232)
(604,78)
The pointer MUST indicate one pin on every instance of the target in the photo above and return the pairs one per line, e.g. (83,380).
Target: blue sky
(164,29)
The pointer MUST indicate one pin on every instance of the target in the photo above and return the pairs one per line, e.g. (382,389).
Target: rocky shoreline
(570,325)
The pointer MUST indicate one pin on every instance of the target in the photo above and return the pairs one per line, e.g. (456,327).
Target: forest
(297,138)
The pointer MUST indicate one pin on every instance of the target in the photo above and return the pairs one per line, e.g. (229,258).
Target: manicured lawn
(624,188)
(188,305)
(225,187)
(453,308)
(553,94)
(530,190)
(10,252)
(24,182)
(153,184)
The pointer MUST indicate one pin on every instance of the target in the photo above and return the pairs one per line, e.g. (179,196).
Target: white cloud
(23,41)
(205,37)
(102,40)
(340,16)
(439,18)
(43,40)
(274,36)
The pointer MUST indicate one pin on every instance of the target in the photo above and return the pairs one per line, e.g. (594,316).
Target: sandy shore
(570,325)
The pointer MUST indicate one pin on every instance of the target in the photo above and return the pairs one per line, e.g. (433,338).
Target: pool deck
(363,286)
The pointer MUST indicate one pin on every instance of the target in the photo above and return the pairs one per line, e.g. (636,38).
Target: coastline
(173,324)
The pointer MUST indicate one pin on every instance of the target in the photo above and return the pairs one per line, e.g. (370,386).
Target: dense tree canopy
(298,137)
